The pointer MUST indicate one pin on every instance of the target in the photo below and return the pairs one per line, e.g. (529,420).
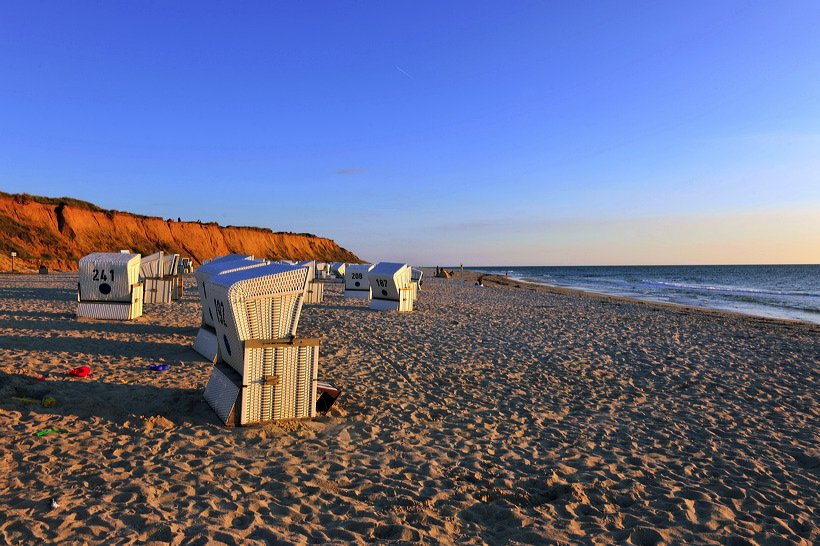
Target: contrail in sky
(403,72)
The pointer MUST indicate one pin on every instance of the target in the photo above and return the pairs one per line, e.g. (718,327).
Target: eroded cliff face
(57,236)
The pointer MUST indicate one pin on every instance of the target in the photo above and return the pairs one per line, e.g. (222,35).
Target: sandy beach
(508,414)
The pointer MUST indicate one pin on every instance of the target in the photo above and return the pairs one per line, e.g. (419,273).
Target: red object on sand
(82,371)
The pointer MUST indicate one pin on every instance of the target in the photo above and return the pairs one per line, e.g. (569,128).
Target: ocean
(776,291)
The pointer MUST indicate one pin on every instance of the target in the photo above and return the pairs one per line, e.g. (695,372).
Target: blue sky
(482,133)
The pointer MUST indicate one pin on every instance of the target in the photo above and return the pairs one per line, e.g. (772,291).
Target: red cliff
(58,232)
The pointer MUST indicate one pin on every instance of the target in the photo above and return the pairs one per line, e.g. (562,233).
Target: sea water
(776,291)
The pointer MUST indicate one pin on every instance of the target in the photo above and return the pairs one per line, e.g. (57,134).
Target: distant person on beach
(480,282)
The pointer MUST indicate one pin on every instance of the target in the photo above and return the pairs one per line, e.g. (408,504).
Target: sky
(428,132)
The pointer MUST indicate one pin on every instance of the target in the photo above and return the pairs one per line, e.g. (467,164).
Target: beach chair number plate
(220,312)
(101,276)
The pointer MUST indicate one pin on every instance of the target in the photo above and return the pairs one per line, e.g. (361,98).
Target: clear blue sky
(475,132)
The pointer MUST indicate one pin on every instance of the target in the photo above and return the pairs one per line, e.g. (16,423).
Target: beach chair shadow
(90,399)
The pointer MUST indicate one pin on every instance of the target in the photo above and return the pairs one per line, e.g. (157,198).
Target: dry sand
(487,415)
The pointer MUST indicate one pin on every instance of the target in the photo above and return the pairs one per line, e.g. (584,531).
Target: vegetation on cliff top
(25,198)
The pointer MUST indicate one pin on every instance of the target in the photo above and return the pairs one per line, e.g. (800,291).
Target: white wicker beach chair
(108,276)
(160,290)
(390,287)
(170,265)
(185,266)
(322,271)
(338,269)
(151,266)
(315,289)
(257,315)
(109,286)
(416,276)
(157,288)
(357,281)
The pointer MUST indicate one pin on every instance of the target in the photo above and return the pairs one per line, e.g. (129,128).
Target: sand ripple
(487,415)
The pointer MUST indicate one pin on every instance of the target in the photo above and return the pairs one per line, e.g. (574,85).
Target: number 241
(100,275)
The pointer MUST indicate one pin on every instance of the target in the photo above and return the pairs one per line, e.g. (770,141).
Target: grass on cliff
(25,198)
(18,237)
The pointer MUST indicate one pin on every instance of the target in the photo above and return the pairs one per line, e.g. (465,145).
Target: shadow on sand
(117,402)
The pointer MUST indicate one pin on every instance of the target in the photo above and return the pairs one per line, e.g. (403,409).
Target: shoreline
(502,281)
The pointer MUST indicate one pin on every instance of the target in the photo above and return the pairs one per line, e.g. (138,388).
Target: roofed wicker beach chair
(158,287)
(416,277)
(337,270)
(151,266)
(264,372)
(390,286)
(109,286)
(171,271)
(357,281)
(315,289)
(322,271)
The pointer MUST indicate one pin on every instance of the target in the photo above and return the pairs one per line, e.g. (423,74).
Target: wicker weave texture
(108,276)
(113,310)
(159,290)
(387,279)
(292,395)
(170,264)
(223,265)
(314,292)
(263,303)
(416,276)
(151,266)
(268,318)
(206,344)
(311,265)
(229,257)
(357,277)
(221,394)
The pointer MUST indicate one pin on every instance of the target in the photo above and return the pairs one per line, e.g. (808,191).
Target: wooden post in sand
(13,254)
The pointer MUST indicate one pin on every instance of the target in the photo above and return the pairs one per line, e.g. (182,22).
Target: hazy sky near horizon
(432,133)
